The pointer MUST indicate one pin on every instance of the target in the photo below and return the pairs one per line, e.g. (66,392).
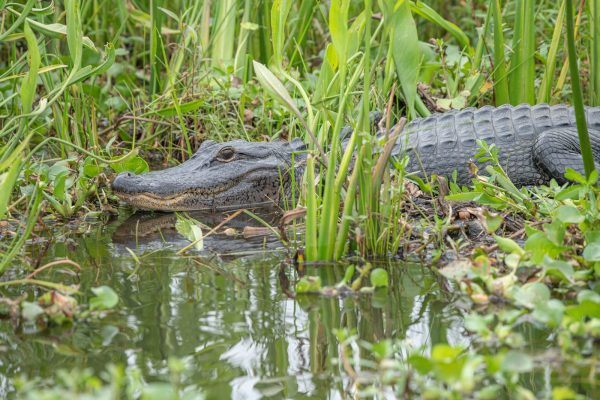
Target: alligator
(535,144)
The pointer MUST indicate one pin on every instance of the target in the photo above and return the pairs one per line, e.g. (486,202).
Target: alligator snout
(124,182)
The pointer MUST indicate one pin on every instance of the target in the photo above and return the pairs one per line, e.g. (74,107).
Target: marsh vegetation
(372,284)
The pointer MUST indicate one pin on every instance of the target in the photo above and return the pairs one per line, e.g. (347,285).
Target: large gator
(535,143)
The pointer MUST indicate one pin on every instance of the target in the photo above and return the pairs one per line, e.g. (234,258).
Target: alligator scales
(535,144)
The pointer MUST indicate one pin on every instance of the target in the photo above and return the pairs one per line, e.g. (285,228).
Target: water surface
(227,317)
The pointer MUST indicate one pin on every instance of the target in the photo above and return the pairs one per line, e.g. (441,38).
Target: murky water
(225,312)
(231,321)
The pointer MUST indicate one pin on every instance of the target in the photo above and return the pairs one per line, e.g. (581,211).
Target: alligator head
(219,176)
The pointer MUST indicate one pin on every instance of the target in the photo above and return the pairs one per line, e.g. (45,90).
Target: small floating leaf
(379,277)
(308,284)
(105,298)
(190,228)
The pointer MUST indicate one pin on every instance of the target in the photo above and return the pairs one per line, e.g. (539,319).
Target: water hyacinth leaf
(588,295)
(477,324)
(105,298)
(457,269)
(549,313)
(569,214)
(558,268)
(379,278)
(592,252)
(539,245)
(492,221)
(191,230)
(516,362)
(532,294)
(422,364)
(135,164)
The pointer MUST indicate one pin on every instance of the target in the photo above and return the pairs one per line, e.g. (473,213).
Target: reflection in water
(240,335)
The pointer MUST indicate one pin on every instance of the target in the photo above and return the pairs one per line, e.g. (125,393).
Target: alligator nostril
(121,181)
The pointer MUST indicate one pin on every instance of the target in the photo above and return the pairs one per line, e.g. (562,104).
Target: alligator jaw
(186,201)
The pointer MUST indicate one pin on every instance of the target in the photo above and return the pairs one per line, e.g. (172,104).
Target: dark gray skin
(218,177)
(535,143)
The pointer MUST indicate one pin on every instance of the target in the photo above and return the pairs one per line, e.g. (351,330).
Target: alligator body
(535,144)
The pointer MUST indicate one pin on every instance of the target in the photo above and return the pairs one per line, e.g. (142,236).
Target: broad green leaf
(569,214)
(539,246)
(274,86)
(338,27)
(91,169)
(191,230)
(517,362)
(532,294)
(558,268)
(508,245)
(422,364)
(549,313)
(135,164)
(379,278)
(592,252)
(406,51)
(105,298)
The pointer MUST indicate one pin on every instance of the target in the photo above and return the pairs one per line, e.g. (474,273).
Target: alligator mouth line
(179,201)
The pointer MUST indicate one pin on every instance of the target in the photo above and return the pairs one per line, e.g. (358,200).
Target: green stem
(584,139)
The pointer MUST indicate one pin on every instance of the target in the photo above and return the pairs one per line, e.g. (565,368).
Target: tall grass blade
(29,83)
(156,50)
(522,76)
(595,52)
(499,73)
(74,32)
(311,211)
(223,32)
(545,91)
(279,14)
(584,139)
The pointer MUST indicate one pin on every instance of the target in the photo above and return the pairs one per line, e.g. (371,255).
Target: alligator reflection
(239,235)
(231,323)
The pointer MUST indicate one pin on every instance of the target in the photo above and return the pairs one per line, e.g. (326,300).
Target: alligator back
(445,142)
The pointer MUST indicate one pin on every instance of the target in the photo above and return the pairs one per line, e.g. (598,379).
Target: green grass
(92,88)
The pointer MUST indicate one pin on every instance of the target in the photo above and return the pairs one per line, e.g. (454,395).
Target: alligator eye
(226,154)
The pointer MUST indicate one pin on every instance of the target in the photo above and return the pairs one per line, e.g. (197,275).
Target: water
(227,317)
